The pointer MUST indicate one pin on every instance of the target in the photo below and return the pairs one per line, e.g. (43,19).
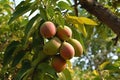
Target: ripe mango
(48,29)
(64,33)
(67,51)
(58,63)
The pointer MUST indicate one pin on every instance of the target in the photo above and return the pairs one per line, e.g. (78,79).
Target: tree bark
(103,14)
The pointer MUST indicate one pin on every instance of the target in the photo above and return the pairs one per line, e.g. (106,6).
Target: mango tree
(41,47)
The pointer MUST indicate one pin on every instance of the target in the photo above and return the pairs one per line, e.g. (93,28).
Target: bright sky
(17,1)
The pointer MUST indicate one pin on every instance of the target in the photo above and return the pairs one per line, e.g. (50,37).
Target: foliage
(21,55)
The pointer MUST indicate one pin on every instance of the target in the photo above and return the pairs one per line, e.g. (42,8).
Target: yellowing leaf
(87,21)
(95,72)
(73,20)
(82,29)
(79,22)
(103,65)
(69,64)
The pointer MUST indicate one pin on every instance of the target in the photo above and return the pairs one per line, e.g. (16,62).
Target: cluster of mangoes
(60,45)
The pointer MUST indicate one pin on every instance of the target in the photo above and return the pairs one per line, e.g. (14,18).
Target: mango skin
(48,29)
(52,46)
(67,51)
(77,46)
(58,63)
(64,33)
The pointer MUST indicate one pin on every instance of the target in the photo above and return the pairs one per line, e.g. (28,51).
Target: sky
(16,1)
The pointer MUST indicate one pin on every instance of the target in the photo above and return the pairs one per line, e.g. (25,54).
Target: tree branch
(75,7)
(103,14)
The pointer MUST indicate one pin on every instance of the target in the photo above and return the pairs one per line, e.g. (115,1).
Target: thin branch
(75,7)
(115,40)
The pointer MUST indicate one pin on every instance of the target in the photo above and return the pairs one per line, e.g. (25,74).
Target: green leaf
(7,8)
(34,8)
(18,57)
(9,52)
(67,74)
(31,27)
(21,73)
(111,67)
(20,4)
(117,64)
(89,30)
(64,5)
(43,13)
(59,19)
(46,68)
(20,11)
(118,50)
(97,78)
(50,11)
(48,77)
(69,1)
(30,24)
(109,44)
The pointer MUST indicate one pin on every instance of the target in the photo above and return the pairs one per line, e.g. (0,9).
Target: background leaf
(64,5)
(30,24)
(22,72)
(31,27)
(9,52)
(20,11)
(18,57)
(102,66)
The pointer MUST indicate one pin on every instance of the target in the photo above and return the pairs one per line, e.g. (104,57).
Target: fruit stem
(41,56)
